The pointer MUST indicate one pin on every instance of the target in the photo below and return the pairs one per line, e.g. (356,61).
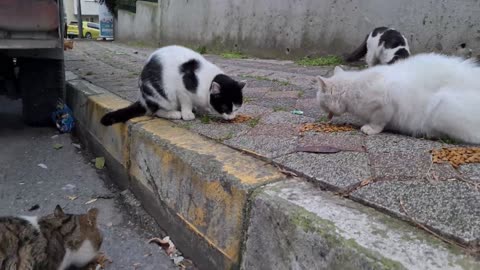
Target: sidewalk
(391,173)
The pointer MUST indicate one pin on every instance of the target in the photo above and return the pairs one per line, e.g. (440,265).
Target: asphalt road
(70,179)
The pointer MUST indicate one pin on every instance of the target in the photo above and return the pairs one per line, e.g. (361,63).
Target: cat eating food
(382,46)
(53,242)
(175,81)
(430,95)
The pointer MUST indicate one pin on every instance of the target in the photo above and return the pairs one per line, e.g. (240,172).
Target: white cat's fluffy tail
(456,114)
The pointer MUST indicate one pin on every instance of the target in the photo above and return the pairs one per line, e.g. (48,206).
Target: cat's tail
(122,115)
(359,53)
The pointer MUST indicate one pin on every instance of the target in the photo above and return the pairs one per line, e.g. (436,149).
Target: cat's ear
(58,212)
(338,70)
(215,88)
(322,86)
(92,215)
(242,84)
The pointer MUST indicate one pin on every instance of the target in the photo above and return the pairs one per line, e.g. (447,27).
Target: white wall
(89,7)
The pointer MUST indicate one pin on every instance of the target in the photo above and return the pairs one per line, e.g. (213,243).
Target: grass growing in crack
(201,49)
(247,100)
(234,55)
(322,119)
(329,60)
(279,109)
(205,119)
(254,122)
(300,94)
(263,78)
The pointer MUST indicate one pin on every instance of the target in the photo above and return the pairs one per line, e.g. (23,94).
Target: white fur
(177,94)
(378,54)
(79,258)
(427,94)
(33,220)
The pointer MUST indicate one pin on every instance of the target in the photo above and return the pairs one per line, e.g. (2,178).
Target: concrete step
(294,225)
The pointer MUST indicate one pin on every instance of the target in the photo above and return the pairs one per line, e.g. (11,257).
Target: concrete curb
(228,210)
(196,189)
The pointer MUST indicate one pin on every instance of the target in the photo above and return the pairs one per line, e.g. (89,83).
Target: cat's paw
(188,115)
(174,115)
(371,130)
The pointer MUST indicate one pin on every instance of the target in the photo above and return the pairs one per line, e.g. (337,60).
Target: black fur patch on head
(391,39)
(190,80)
(230,94)
(400,54)
(151,78)
(379,30)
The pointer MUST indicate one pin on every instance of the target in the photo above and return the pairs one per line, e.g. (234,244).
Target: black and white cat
(382,46)
(175,81)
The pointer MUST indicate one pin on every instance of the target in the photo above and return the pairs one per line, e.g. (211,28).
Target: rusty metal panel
(29,15)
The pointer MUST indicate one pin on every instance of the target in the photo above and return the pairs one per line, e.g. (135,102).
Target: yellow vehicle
(90,30)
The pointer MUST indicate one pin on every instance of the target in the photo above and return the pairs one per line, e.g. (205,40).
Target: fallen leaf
(99,162)
(35,207)
(72,198)
(318,149)
(57,146)
(41,165)
(166,244)
(91,201)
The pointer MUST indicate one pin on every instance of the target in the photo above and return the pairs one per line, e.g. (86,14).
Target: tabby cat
(53,242)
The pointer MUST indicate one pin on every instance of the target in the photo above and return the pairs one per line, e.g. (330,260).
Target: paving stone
(285,117)
(280,104)
(341,141)
(254,110)
(335,171)
(450,207)
(285,129)
(387,142)
(471,171)
(283,94)
(255,92)
(216,131)
(310,107)
(266,146)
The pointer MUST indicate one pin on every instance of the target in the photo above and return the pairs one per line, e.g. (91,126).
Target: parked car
(90,30)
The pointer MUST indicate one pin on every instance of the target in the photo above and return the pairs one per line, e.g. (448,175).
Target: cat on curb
(53,242)
(382,46)
(175,81)
(428,95)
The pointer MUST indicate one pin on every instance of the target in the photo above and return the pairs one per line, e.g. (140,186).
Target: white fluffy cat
(427,94)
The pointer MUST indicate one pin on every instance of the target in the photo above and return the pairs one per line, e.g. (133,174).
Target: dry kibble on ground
(456,155)
(240,119)
(325,127)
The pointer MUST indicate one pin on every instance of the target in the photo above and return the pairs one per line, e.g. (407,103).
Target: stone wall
(286,28)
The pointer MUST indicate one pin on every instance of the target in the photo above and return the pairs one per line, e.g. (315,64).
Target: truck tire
(42,84)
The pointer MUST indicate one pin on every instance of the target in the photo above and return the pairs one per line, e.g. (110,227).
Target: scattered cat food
(325,127)
(33,208)
(239,119)
(297,112)
(456,156)
(99,162)
(58,146)
(41,165)
(91,201)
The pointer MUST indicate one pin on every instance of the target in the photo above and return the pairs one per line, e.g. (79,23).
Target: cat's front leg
(371,129)
(186,107)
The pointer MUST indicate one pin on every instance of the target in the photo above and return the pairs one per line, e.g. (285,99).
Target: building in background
(89,10)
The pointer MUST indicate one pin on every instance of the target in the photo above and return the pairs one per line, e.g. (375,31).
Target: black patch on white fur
(399,54)
(190,79)
(391,39)
(379,30)
(230,94)
(151,78)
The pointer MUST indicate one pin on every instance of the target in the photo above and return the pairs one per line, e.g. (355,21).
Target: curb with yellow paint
(203,185)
